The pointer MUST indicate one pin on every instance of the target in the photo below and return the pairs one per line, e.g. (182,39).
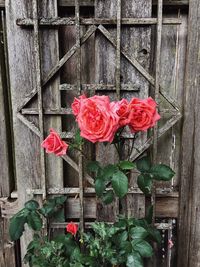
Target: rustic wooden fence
(123,48)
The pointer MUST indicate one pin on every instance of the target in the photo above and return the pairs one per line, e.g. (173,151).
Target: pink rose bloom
(76,104)
(96,119)
(122,110)
(143,114)
(54,144)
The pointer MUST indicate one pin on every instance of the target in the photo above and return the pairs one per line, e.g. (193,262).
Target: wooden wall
(60,69)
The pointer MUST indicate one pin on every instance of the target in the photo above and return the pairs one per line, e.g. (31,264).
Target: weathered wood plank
(189,221)
(105,58)
(91,2)
(22,80)
(7,248)
(52,22)
(134,67)
(166,204)
(174,39)
(51,97)
(6,144)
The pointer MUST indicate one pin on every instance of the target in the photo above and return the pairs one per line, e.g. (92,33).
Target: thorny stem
(78,149)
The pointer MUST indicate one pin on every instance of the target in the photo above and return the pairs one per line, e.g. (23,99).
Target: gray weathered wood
(91,2)
(105,58)
(22,80)
(5,177)
(189,221)
(39,93)
(92,21)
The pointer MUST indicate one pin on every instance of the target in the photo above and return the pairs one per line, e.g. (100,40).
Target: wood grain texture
(51,96)
(27,145)
(5,175)
(22,80)
(137,43)
(189,221)
(91,2)
(105,59)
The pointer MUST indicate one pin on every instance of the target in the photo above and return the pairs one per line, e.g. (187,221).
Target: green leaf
(60,200)
(93,166)
(144,248)
(99,187)
(134,260)
(34,221)
(149,215)
(126,165)
(121,238)
(31,205)
(47,208)
(59,216)
(143,164)
(144,183)
(108,197)
(154,234)
(108,172)
(162,172)
(138,233)
(120,184)
(16,228)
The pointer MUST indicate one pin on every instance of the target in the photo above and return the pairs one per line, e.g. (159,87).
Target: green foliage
(108,197)
(32,215)
(115,176)
(162,172)
(126,242)
(144,182)
(148,173)
(126,165)
(62,251)
(17,223)
(51,208)
(110,180)
(120,184)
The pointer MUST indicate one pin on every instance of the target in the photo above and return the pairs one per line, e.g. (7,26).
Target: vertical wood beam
(189,217)
(78,73)
(118,54)
(156,89)
(39,91)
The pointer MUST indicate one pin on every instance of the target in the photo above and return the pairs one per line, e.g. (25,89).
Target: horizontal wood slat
(91,2)
(166,204)
(97,21)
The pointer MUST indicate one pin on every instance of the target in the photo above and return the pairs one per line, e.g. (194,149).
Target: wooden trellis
(34,23)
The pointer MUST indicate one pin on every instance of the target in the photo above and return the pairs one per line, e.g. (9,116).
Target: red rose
(76,104)
(143,114)
(72,228)
(122,110)
(96,119)
(54,144)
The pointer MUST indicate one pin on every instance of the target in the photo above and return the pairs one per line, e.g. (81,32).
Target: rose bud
(72,228)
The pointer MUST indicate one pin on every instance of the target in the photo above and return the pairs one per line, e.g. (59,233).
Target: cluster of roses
(99,119)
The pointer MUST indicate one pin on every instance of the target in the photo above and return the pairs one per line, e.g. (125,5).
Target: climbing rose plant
(128,240)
